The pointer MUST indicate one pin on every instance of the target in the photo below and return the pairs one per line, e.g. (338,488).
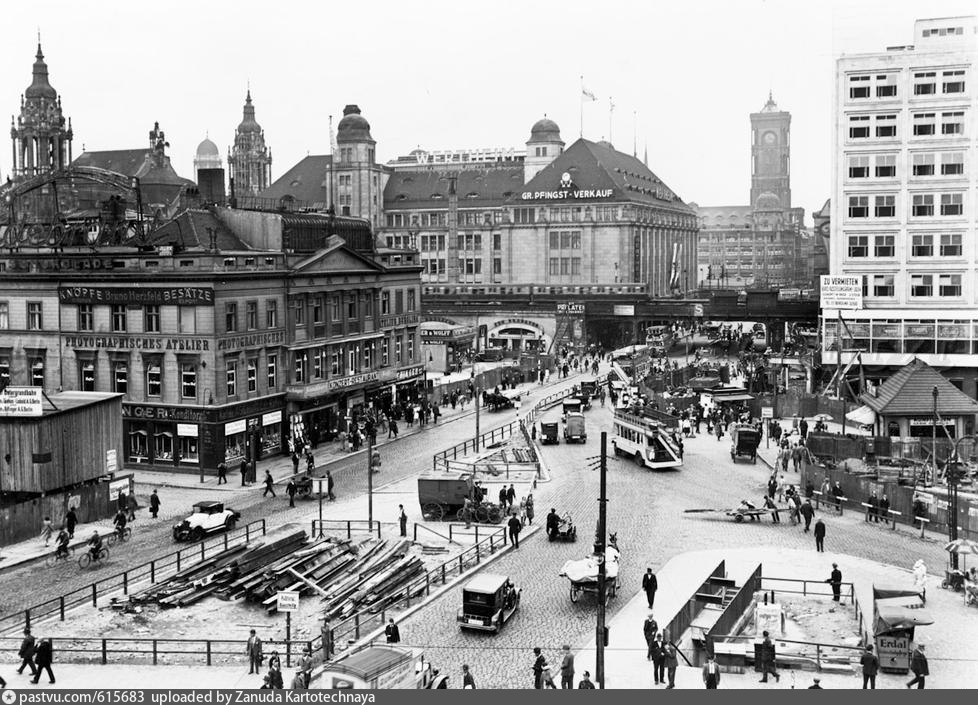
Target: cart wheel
(433,511)
(739,519)
(482,514)
(944,584)
(495,514)
(575,594)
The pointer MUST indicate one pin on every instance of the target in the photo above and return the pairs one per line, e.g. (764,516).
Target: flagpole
(581,98)
(611,117)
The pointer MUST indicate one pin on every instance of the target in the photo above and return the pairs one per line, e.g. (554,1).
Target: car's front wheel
(229,523)
(197,534)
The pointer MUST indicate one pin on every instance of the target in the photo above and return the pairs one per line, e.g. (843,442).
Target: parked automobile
(207,518)
(548,433)
(575,427)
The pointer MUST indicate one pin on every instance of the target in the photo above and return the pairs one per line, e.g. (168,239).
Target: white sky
(449,74)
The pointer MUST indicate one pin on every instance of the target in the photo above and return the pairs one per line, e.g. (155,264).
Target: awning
(864,416)
(889,619)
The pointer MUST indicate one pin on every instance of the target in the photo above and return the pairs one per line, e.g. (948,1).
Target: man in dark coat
(820,536)
(44,657)
(222,473)
(538,664)
(807,512)
(658,650)
(918,664)
(884,511)
(244,472)
(835,580)
(873,511)
(253,648)
(392,632)
(650,584)
(502,496)
(871,666)
(511,496)
(402,519)
(803,429)
(671,663)
(329,486)
(769,659)
(515,526)
(71,521)
(650,628)
(769,504)
(154,504)
(269,485)
(26,652)
(553,521)
(711,673)
(290,490)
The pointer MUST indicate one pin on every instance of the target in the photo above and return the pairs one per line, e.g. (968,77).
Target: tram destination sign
(160,296)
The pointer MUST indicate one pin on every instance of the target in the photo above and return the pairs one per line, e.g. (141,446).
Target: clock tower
(770,184)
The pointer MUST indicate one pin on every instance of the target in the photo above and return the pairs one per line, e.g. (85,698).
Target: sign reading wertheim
(166,296)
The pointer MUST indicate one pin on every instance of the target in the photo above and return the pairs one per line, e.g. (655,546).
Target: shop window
(188,380)
(163,445)
(35,315)
(119,318)
(86,317)
(138,443)
(272,370)
(154,378)
(151,319)
(120,377)
(251,315)
(252,375)
(189,449)
(271,313)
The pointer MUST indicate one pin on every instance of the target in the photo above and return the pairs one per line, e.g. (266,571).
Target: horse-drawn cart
(583,573)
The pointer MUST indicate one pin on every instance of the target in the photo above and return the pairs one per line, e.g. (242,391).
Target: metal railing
(810,588)
(186,651)
(842,653)
(153,571)
(349,526)
(354,627)
(734,611)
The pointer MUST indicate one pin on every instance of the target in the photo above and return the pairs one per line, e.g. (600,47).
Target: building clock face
(770,138)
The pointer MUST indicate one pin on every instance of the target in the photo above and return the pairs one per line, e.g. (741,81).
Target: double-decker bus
(659,339)
(645,440)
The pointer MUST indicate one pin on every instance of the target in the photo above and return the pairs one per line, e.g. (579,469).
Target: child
(46,531)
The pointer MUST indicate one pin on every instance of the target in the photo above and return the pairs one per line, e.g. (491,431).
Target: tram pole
(599,551)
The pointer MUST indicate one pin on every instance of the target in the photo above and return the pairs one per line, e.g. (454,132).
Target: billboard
(841,292)
(21,401)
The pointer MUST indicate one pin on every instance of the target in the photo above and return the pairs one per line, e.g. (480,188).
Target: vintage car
(548,433)
(574,427)
(590,388)
(488,601)
(207,518)
(744,440)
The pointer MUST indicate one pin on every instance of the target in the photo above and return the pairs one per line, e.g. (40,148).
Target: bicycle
(116,536)
(52,559)
(86,558)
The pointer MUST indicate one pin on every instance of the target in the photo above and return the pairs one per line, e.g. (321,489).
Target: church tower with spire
(770,184)
(41,141)
(249,160)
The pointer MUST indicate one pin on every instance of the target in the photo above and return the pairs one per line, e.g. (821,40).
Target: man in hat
(768,659)
(871,666)
(835,579)
(918,664)
(392,632)
(586,683)
(820,535)
(815,684)
(650,584)
(27,648)
(711,673)
(567,669)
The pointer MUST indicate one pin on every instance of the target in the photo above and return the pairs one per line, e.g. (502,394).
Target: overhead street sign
(22,401)
(841,292)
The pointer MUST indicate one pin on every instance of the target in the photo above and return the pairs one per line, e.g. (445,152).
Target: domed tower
(41,139)
(359,181)
(542,148)
(250,160)
(210,172)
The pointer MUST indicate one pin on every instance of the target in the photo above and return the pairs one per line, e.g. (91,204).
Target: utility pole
(370,481)
(476,398)
(599,551)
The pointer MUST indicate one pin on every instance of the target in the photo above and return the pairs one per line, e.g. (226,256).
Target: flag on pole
(585,93)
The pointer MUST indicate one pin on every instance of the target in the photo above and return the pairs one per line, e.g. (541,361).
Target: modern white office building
(904,203)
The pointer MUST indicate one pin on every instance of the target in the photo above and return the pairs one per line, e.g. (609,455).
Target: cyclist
(120,522)
(62,544)
(96,546)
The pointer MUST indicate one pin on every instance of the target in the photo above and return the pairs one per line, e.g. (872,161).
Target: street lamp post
(953,475)
(933,437)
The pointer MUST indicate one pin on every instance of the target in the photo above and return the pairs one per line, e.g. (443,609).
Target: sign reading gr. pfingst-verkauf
(841,292)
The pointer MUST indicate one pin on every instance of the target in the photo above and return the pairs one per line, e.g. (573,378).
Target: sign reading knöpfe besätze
(841,292)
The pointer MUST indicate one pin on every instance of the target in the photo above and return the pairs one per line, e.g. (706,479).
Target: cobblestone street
(646,510)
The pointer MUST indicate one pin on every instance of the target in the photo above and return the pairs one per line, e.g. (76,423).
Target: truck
(375,668)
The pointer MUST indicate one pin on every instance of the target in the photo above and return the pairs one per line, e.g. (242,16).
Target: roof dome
(40,88)
(248,122)
(353,127)
(544,130)
(207,149)
(770,106)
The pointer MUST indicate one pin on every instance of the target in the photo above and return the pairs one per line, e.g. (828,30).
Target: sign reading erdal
(567,190)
